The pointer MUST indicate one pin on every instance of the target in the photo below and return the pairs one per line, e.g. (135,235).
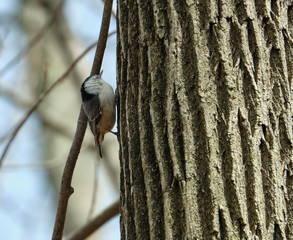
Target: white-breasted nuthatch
(98,100)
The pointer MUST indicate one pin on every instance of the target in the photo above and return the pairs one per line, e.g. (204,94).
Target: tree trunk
(205,119)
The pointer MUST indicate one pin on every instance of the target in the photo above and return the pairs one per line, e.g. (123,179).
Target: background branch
(34,40)
(95,223)
(40,99)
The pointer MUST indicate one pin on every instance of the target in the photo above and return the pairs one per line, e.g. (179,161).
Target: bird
(98,101)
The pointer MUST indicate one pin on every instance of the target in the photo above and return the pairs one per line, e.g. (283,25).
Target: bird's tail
(100,150)
(98,144)
(98,137)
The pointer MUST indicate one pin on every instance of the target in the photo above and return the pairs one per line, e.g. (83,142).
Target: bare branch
(113,11)
(102,38)
(66,189)
(27,103)
(34,40)
(46,164)
(96,223)
(40,99)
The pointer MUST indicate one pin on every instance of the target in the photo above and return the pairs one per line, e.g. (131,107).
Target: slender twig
(94,224)
(66,189)
(112,33)
(113,11)
(34,40)
(52,124)
(40,99)
(102,38)
(27,103)
(46,164)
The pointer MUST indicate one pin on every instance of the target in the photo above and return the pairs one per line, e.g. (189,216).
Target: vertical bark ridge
(211,200)
(251,42)
(245,10)
(274,198)
(174,128)
(212,8)
(288,33)
(253,81)
(217,222)
(155,197)
(232,166)
(127,224)
(181,76)
(261,108)
(255,198)
(246,64)
(227,110)
(137,192)
(175,140)
(263,8)
(149,165)
(149,18)
(176,194)
(160,137)
(289,204)
(161,21)
(286,150)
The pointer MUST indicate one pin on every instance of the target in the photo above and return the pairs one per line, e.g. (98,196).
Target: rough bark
(205,119)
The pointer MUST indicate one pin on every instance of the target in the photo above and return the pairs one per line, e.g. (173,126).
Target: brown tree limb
(66,189)
(102,38)
(113,11)
(40,99)
(95,223)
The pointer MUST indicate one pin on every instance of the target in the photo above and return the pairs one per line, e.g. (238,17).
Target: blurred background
(30,175)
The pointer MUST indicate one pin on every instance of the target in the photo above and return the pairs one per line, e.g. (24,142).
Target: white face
(97,86)
(94,84)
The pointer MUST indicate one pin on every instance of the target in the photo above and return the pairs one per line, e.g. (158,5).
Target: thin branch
(112,33)
(34,40)
(96,223)
(26,103)
(40,99)
(46,164)
(102,38)
(66,189)
(113,11)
